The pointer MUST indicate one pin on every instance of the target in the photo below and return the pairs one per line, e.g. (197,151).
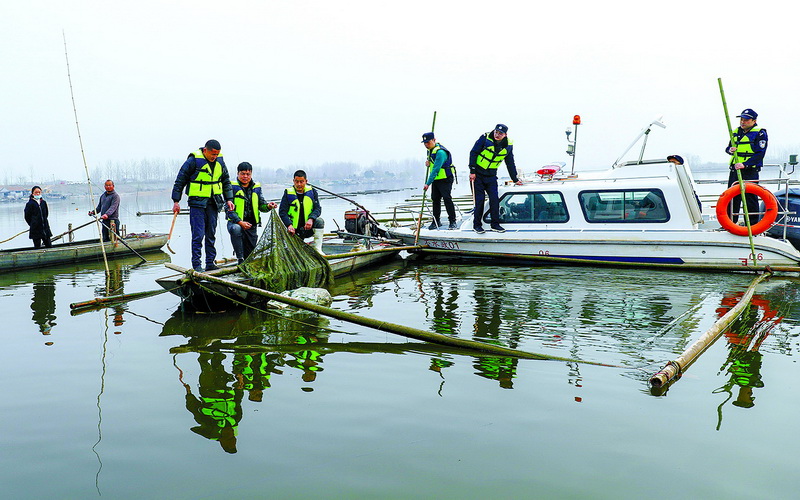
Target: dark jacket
(36,217)
(108,204)
(484,142)
(188,172)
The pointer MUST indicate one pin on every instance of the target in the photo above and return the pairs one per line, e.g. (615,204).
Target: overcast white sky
(312,81)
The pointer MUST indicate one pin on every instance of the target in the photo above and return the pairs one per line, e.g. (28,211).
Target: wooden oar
(21,232)
(54,238)
(171,227)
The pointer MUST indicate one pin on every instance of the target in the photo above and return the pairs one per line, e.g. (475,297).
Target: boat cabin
(640,194)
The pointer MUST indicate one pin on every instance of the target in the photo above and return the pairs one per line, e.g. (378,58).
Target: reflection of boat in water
(79,251)
(208,296)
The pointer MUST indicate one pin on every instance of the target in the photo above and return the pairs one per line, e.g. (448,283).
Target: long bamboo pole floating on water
(383,326)
(371,252)
(108,301)
(680,364)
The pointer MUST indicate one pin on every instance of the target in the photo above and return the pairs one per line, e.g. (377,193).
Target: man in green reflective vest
(750,146)
(244,219)
(208,185)
(300,210)
(439,179)
(489,151)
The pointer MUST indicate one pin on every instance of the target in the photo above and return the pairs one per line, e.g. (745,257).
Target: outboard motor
(357,222)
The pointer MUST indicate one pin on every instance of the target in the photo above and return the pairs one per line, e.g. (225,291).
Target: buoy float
(770,209)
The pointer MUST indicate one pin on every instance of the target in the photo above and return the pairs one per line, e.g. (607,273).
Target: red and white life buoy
(770,209)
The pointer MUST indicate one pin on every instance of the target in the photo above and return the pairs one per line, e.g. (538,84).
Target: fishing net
(281,261)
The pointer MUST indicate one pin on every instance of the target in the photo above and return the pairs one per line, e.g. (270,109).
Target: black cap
(244,166)
(428,136)
(748,113)
(213,144)
(677,158)
(501,128)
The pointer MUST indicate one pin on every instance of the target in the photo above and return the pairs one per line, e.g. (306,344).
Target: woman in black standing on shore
(36,216)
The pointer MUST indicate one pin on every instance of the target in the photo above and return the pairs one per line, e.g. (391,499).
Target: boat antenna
(572,144)
(83,155)
(645,132)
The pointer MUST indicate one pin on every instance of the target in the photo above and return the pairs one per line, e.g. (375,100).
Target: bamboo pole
(54,238)
(21,232)
(380,325)
(738,172)
(680,364)
(371,252)
(108,301)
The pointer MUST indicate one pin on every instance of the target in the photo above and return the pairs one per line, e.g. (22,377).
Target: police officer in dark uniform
(748,149)
(489,151)
(440,179)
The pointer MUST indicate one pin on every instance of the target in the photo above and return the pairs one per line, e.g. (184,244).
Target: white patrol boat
(641,213)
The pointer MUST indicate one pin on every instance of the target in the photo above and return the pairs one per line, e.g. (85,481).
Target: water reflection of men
(307,360)
(445,308)
(218,409)
(253,371)
(43,305)
(488,319)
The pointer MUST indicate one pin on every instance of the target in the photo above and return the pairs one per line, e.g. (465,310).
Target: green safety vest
(744,147)
(294,204)
(490,159)
(239,200)
(207,180)
(444,172)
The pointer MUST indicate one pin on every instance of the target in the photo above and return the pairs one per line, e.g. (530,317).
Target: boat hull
(688,249)
(207,296)
(78,251)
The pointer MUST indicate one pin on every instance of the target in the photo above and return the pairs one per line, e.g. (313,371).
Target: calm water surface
(142,400)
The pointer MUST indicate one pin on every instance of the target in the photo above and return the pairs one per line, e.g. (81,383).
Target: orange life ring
(770,209)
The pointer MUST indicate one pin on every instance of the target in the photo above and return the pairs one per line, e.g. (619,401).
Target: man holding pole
(108,210)
(748,148)
(489,151)
(439,179)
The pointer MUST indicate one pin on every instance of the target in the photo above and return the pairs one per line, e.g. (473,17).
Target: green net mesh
(281,261)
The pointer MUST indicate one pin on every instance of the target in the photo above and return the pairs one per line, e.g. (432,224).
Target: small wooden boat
(79,251)
(206,296)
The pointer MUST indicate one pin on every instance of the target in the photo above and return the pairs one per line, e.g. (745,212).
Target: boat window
(646,205)
(547,207)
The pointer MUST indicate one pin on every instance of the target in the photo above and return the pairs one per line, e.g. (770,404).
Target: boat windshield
(647,205)
(544,207)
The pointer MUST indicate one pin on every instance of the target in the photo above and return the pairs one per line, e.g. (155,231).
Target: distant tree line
(164,171)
